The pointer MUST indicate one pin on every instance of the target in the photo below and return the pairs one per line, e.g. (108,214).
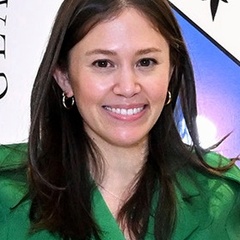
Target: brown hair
(59,148)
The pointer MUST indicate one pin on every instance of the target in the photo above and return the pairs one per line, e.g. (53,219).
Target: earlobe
(62,79)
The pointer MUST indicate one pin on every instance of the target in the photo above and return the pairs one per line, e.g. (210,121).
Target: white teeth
(124,111)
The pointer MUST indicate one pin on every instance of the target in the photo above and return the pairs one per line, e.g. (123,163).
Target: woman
(105,157)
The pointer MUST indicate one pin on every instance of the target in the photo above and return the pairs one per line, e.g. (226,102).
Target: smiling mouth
(124,111)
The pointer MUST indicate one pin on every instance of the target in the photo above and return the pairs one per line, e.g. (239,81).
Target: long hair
(59,148)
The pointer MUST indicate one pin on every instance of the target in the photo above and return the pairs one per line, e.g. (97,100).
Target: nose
(127,83)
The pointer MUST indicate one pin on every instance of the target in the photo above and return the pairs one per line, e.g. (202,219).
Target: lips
(125,111)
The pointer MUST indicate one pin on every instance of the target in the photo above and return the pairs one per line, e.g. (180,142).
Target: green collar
(104,218)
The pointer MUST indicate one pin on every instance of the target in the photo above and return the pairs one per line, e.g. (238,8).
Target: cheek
(88,91)
(86,81)
(85,95)
(158,91)
(82,86)
(159,102)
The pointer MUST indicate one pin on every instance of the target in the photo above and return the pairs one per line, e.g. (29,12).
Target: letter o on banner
(3,91)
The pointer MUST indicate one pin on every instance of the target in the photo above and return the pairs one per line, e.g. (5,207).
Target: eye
(146,62)
(103,63)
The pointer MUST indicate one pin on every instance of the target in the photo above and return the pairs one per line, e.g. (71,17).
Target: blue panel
(218,88)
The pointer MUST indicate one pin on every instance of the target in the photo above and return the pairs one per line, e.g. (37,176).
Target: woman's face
(119,75)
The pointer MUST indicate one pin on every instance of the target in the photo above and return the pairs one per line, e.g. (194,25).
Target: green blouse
(211,211)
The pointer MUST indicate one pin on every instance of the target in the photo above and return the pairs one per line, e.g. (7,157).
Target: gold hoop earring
(65,100)
(169,98)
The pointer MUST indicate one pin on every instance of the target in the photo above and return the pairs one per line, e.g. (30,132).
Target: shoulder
(13,155)
(14,203)
(231,176)
(16,225)
(13,186)
(12,173)
(222,191)
(214,199)
(209,184)
(216,160)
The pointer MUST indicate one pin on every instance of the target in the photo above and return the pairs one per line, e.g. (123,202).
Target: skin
(119,75)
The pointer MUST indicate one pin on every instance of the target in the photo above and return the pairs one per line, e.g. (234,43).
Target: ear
(63,81)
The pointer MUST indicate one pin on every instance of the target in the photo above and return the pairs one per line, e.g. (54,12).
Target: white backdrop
(25,26)
(224,28)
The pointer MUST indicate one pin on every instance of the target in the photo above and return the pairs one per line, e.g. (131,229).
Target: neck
(121,168)
(121,165)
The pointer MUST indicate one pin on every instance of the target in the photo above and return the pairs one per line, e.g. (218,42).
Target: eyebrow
(113,53)
(148,50)
(101,51)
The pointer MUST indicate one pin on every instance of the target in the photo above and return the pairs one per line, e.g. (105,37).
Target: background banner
(209,26)
(211,30)
(218,19)
(24,30)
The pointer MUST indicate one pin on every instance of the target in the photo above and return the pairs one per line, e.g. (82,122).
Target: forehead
(128,25)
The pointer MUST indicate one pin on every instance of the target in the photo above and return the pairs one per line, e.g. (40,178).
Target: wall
(24,29)
(213,38)
(214,47)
